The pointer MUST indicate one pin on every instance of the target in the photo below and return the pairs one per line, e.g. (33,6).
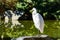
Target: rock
(34,38)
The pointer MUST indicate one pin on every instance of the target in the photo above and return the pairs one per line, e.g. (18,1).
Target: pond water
(26,28)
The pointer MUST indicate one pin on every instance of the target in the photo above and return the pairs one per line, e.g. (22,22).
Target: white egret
(38,20)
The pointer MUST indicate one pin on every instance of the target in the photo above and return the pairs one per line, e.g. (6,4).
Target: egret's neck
(34,12)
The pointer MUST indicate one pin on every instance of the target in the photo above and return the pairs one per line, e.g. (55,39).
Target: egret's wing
(38,21)
(41,23)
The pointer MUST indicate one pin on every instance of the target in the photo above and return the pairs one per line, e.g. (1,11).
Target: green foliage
(18,30)
(20,5)
(43,6)
(52,7)
(52,28)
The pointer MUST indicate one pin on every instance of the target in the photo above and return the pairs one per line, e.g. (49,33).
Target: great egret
(38,20)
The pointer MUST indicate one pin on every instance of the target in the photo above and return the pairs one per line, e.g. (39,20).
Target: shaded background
(49,9)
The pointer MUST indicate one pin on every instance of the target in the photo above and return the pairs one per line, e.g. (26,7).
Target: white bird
(38,20)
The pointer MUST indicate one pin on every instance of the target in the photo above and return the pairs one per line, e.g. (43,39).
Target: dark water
(26,28)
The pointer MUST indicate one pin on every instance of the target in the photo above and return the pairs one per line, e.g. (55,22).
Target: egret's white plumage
(38,20)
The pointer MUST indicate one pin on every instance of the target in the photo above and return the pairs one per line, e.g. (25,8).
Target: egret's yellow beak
(31,11)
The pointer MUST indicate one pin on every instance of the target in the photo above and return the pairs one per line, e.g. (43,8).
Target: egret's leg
(38,33)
